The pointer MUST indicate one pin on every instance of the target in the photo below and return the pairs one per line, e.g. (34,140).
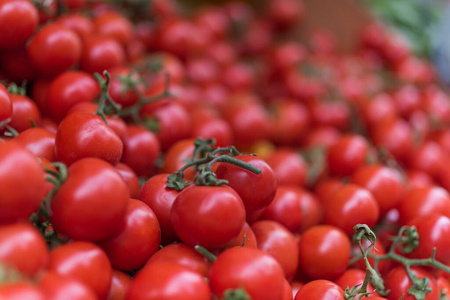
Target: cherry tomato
(57,286)
(291,122)
(20,19)
(80,24)
(19,168)
(320,289)
(351,278)
(100,53)
(120,283)
(21,290)
(235,268)
(91,204)
(84,262)
(24,113)
(210,216)
(54,49)
(114,25)
(5,104)
(130,179)
(137,239)
(168,280)
(83,135)
(246,238)
(324,252)
(177,156)
(39,141)
(289,167)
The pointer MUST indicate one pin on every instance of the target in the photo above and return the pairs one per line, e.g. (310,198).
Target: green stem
(203,251)
(105,98)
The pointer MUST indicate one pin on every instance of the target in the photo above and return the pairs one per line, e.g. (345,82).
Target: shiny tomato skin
(54,49)
(91,203)
(20,19)
(24,113)
(39,141)
(324,252)
(100,53)
(210,216)
(246,238)
(256,190)
(21,289)
(137,239)
(260,275)
(280,243)
(177,156)
(120,283)
(57,286)
(5,104)
(19,168)
(114,25)
(170,281)
(351,278)
(289,167)
(320,289)
(130,178)
(81,135)
(85,262)
(23,248)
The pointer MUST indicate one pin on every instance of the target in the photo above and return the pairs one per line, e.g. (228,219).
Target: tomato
(289,166)
(235,268)
(347,155)
(433,229)
(39,141)
(184,255)
(136,240)
(17,66)
(120,283)
(212,128)
(320,289)
(84,262)
(79,23)
(177,156)
(386,185)
(130,179)
(422,201)
(24,113)
(214,20)
(312,210)
(427,157)
(5,104)
(100,53)
(378,110)
(83,135)
(114,25)
(141,150)
(91,204)
(256,191)
(202,71)
(168,280)
(124,86)
(350,205)
(398,282)
(286,208)
(68,89)
(324,252)
(351,278)
(20,19)
(291,122)
(160,198)
(238,77)
(23,248)
(21,290)
(246,238)
(378,249)
(18,169)
(57,286)
(54,49)
(210,216)
(280,243)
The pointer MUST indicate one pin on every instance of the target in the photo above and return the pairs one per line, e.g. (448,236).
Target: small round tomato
(39,141)
(130,179)
(5,104)
(58,286)
(320,289)
(351,278)
(83,135)
(120,284)
(100,53)
(350,205)
(84,262)
(114,25)
(23,247)
(54,49)
(124,86)
(291,122)
(24,113)
(177,156)
(184,255)
(79,23)
(18,169)
(135,242)
(168,280)
(324,252)
(21,289)
(256,190)
(280,243)
(246,238)
(210,216)
(289,167)
(20,19)
(235,268)
(91,204)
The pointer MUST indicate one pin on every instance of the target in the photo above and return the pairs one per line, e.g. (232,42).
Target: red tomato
(312,210)
(23,248)
(54,49)
(280,243)
(168,280)
(177,156)
(120,283)
(83,135)
(184,255)
(5,104)
(324,252)
(289,167)
(20,19)
(141,150)
(18,169)
(427,157)
(58,286)
(100,53)
(91,204)
(351,278)
(68,89)
(84,262)
(24,113)
(210,216)
(212,128)
(256,191)
(398,282)
(320,289)
(39,141)
(124,86)
(291,122)
(160,198)
(136,240)
(246,238)
(235,268)
(350,205)
(130,179)
(17,65)
(80,24)
(114,25)
(21,290)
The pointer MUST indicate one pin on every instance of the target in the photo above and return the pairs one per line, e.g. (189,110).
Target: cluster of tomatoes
(119,178)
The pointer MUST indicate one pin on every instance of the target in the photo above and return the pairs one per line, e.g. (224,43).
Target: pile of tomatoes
(102,103)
